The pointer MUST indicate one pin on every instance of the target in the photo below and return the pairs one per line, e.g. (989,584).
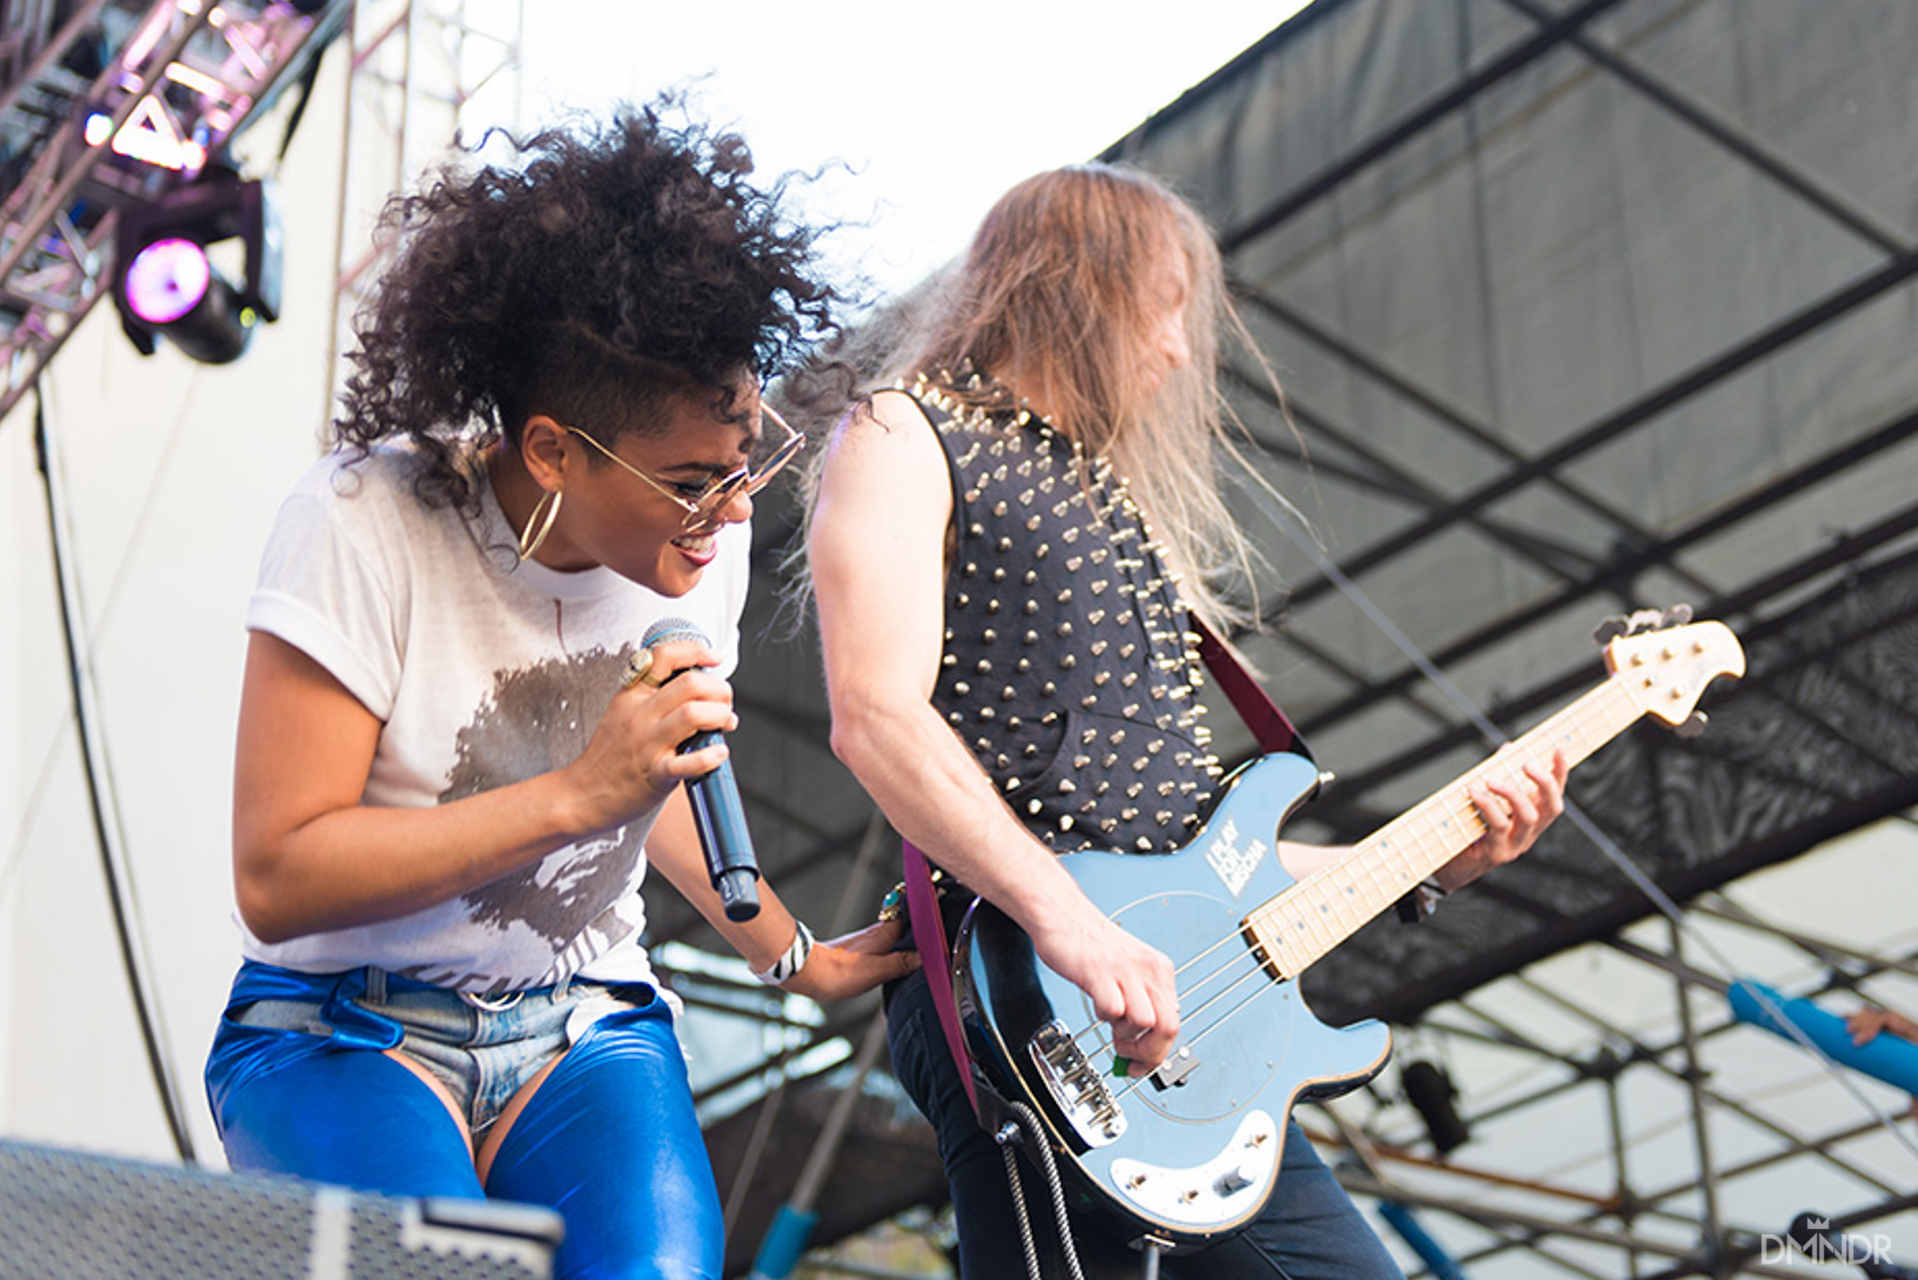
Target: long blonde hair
(1051,290)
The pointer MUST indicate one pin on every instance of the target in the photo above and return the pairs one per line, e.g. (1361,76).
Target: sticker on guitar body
(1234,866)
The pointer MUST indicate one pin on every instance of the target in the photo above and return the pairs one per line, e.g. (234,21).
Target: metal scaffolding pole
(425,74)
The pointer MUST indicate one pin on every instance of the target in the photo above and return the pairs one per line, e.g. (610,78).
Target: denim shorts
(482,1049)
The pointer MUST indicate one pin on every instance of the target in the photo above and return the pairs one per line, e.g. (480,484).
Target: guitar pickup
(1079,1091)
(1175,1069)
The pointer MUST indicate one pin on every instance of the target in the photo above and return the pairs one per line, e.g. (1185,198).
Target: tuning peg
(1609,630)
(1643,620)
(1678,615)
(1692,725)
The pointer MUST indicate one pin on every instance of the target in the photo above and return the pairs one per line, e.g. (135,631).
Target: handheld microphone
(717,810)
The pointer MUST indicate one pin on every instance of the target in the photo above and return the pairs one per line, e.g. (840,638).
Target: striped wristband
(787,967)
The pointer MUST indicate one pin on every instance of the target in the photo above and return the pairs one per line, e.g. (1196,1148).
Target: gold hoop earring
(545,511)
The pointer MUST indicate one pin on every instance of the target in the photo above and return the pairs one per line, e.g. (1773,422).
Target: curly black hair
(619,265)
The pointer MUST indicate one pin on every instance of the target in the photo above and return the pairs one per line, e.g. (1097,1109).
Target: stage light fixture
(171,287)
(168,285)
(1430,1091)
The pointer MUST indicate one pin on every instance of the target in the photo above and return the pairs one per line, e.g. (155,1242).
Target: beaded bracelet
(787,967)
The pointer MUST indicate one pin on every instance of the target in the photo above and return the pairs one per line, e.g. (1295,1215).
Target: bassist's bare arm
(877,554)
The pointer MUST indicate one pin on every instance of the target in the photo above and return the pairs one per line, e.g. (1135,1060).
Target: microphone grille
(667,629)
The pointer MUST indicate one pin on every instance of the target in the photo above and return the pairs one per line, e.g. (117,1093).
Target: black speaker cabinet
(68,1215)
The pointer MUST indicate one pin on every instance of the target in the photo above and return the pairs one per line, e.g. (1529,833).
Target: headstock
(1664,668)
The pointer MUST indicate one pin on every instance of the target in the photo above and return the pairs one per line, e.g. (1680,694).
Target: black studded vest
(1067,667)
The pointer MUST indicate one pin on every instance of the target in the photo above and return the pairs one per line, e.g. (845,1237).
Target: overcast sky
(931,109)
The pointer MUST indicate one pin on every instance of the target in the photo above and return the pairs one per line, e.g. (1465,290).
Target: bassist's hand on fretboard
(1516,800)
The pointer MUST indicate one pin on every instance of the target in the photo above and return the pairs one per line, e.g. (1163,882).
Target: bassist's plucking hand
(1130,983)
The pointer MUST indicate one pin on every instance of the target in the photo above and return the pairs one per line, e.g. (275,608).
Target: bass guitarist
(1002,552)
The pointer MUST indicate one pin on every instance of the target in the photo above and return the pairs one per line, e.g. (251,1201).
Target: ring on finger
(639,670)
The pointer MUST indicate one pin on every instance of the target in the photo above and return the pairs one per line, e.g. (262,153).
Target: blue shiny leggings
(609,1139)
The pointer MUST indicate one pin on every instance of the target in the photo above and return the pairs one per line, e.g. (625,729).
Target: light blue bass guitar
(1190,1153)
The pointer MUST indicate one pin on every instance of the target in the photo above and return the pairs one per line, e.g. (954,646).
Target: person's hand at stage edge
(1868,1024)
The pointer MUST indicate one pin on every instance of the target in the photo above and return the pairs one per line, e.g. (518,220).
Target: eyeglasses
(703,503)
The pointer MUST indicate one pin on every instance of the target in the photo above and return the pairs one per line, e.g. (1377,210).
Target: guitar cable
(1281,514)
(1028,1133)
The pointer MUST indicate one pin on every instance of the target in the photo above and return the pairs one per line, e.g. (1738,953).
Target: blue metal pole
(1413,1232)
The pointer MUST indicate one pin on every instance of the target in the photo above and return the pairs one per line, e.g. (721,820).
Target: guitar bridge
(1079,1090)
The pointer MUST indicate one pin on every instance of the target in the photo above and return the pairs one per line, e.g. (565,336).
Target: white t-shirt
(484,671)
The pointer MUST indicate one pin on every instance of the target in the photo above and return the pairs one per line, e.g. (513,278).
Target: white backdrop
(173,472)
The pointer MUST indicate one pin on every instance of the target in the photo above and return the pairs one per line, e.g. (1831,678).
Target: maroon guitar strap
(1270,728)
(929,936)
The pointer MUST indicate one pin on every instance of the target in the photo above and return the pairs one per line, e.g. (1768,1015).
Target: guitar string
(1098,1027)
(1189,1037)
(1187,1016)
(1131,1084)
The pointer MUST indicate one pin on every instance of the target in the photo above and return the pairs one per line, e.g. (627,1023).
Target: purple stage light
(166,280)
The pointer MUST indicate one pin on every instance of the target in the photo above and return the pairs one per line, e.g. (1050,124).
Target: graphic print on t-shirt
(538,719)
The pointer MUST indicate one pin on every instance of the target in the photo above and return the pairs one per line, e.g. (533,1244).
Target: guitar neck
(1298,926)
